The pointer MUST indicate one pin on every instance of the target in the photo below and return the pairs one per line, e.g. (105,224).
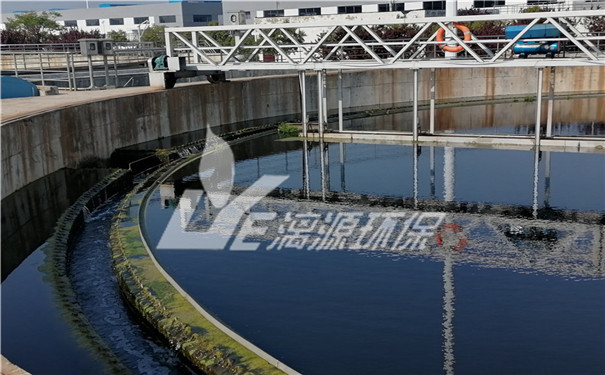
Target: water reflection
(571,117)
(524,233)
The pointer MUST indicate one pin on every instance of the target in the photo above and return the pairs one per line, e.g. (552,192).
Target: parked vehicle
(525,47)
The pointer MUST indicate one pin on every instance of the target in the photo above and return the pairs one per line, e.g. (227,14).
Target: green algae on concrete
(204,345)
(58,253)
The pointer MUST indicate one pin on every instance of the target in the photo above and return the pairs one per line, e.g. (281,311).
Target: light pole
(139,28)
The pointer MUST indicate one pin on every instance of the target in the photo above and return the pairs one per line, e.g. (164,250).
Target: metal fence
(64,66)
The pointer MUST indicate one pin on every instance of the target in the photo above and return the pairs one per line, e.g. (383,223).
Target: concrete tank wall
(35,146)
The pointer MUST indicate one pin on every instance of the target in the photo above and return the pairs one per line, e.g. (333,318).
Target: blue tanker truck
(532,47)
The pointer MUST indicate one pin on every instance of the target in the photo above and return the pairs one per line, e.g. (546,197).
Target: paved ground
(15,108)
(7,368)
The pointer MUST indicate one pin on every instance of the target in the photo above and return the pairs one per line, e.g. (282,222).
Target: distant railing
(63,65)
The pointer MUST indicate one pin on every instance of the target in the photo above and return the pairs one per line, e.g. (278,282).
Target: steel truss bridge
(363,45)
(322,46)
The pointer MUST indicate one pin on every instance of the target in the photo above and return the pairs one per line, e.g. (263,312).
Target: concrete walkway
(7,368)
(15,108)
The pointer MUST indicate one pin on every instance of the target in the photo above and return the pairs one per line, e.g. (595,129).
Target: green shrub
(285,129)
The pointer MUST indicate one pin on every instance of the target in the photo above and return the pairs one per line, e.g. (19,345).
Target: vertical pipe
(547,179)
(432,109)
(448,313)
(415,117)
(451,10)
(551,98)
(322,170)
(343,185)
(306,168)
(449,177)
(340,119)
(324,99)
(539,105)
(536,174)
(303,101)
(432,166)
(320,114)
(415,150)
(327,162)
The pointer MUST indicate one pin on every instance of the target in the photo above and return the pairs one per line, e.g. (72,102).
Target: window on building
(383,8)
(274,13)
(487,3)
(309,11)
(140,20)
(71,23)
(349,9)
(167,19)
(202,18)
(400,7)
(433,5)
(540,2)
(248,15)
(92,22)
(116,21)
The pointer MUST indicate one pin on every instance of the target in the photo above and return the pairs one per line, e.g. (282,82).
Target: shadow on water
(29,215)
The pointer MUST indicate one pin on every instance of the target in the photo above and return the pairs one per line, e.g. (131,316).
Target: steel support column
(536,177)
(340,119)
(432,105)
(415,110)
(303,101)
(551,101)
(324,99)
(320,114)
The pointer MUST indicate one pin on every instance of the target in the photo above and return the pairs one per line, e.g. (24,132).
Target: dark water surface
(514,304)
(529,301)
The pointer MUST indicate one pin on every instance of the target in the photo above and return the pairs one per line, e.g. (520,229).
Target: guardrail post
(106,69)
(41,68)
(15,64)
(68,71)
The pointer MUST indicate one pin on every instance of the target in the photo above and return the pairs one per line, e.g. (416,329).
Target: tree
(74,35)
(117,36)
(38,27)
(10,36)
(154,34)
